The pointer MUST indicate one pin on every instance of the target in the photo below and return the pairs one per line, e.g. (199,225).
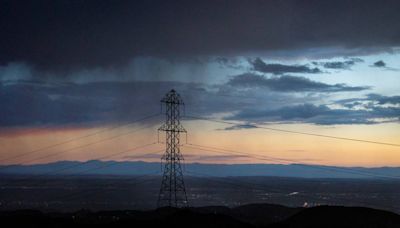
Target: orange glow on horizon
(261,144)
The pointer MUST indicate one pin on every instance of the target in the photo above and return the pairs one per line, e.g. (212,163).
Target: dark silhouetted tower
(172,191)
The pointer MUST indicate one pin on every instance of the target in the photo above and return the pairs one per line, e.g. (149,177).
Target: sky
(76,75)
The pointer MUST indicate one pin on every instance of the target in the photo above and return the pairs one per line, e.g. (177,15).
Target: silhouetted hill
(257,214)
(254,215)
(337,216)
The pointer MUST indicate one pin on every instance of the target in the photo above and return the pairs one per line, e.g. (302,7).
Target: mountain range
(96,167)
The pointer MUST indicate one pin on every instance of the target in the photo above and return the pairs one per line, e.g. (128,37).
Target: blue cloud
(289,84)
(321,115)
(370,101)
(261,66)
(239,127)
(30,103)
(340,65)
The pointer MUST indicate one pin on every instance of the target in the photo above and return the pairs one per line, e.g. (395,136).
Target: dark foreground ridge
(253,215)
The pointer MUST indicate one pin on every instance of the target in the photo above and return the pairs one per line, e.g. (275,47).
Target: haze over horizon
(324,68)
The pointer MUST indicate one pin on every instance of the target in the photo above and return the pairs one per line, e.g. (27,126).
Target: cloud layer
(36,103)
(321,115)
(82,62)
(64,34)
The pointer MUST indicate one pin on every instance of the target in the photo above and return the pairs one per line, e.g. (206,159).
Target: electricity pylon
(172,191)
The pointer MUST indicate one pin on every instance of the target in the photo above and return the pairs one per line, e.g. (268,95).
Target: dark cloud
(383,65)
(321,115)
(341,65)
(229,62)
(370,101)
(384,99)
(64,34)
(38,103)
(346,65)
(239,127)
(35,103)
(379,63)
(261,66)
(289,84)
(140,68)
(54,104)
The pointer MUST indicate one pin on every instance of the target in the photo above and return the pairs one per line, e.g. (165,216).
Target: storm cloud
(27,103)
(37,103)
(89,62)
(46,34)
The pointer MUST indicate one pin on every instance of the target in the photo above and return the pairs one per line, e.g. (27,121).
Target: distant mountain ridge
(95,167)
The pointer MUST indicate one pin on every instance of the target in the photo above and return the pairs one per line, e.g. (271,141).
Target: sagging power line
(78,138)
(293,132)
(292,161)
(53,172)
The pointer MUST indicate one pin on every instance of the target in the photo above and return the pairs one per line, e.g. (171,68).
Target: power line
(195,146)
(107,165)
(80,164)
(79,138)
(295,162)
(96,168)
(103,166)
(312,166)
(81,146)
(295,132)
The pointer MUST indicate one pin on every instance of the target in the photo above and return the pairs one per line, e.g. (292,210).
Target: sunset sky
(75,74)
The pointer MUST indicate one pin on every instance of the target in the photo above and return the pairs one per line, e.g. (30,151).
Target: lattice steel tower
(172,191)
